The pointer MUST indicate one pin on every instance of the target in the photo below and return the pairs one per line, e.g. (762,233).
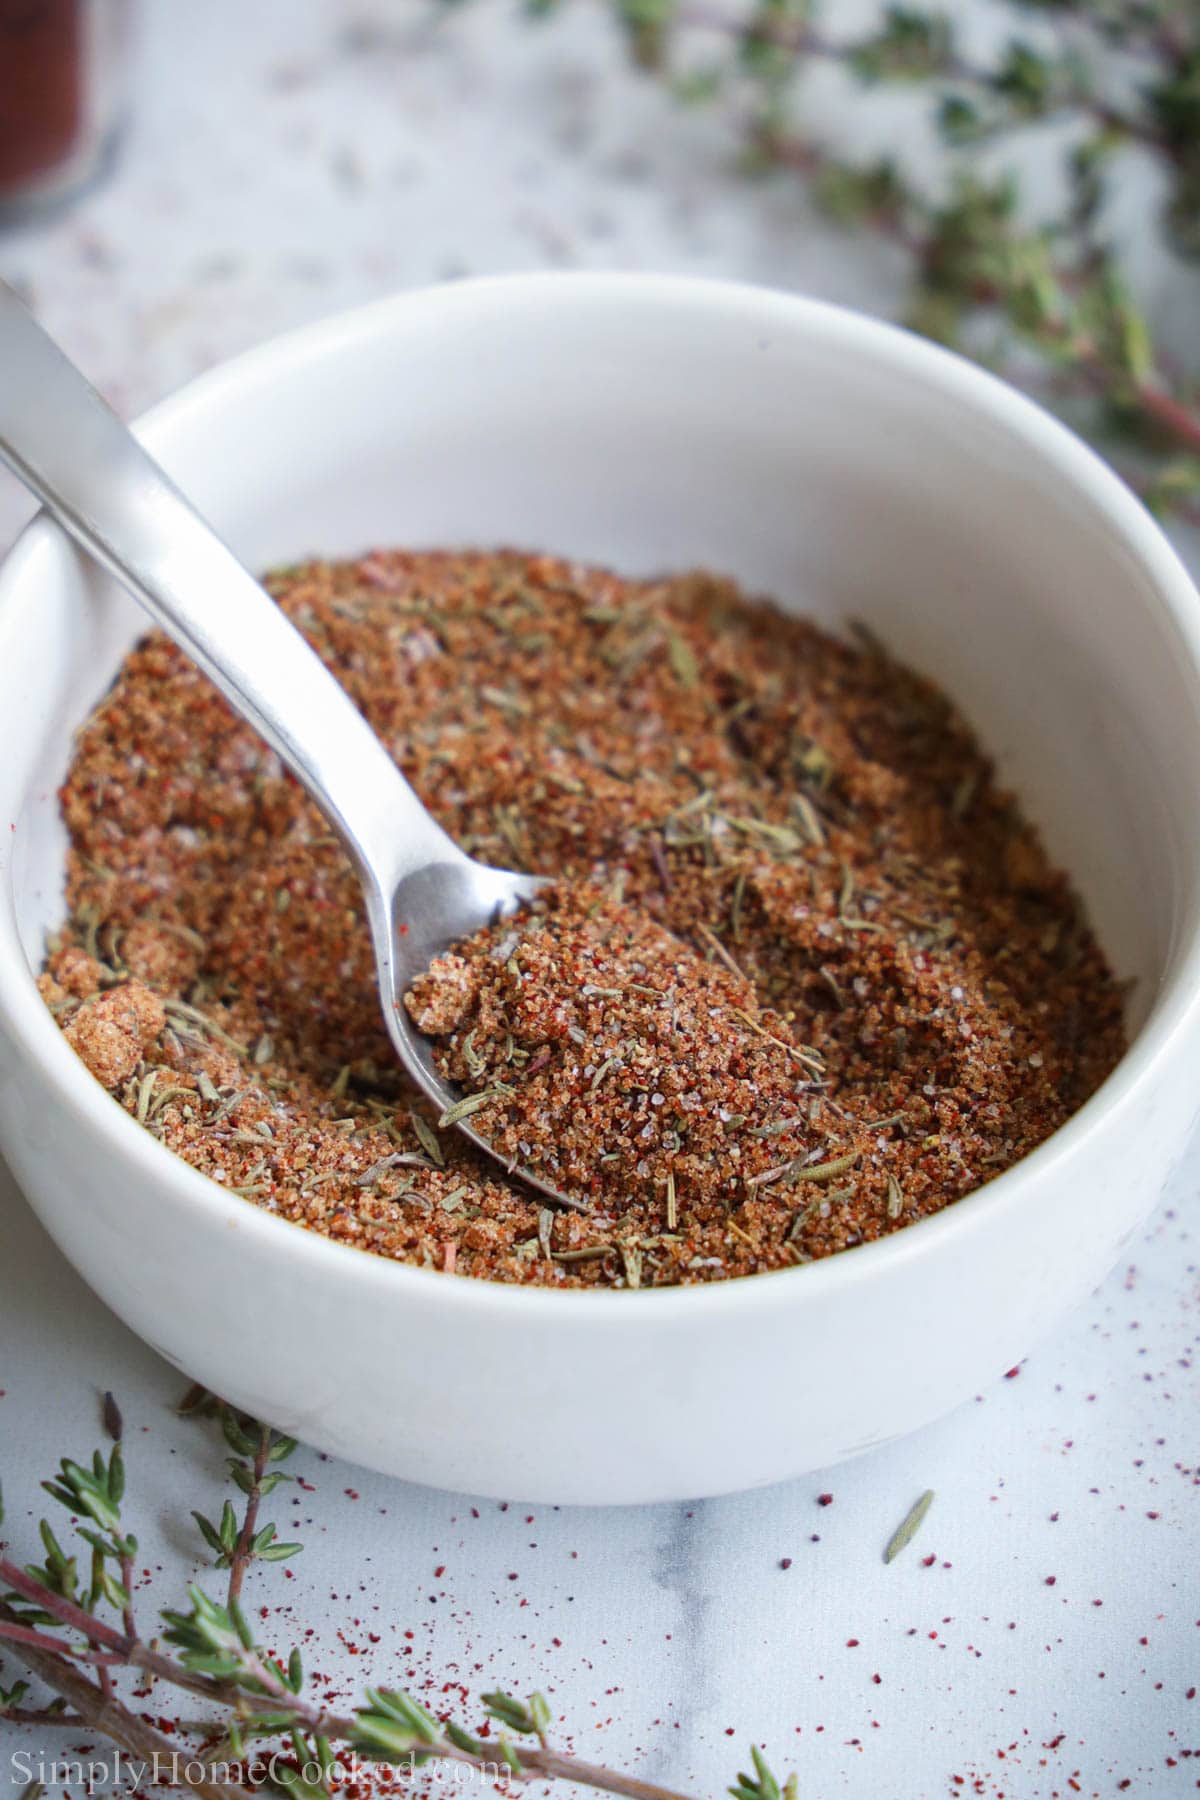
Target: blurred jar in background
(63,65)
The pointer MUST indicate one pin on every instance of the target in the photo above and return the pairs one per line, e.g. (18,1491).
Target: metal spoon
(422,892)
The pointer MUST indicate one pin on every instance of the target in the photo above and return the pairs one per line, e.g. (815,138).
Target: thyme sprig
(53,1621)
(1048,300)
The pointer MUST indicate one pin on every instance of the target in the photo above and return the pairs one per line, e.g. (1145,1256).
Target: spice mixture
(805,977)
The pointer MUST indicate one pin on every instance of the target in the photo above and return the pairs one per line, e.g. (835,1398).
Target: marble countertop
(1042,1636)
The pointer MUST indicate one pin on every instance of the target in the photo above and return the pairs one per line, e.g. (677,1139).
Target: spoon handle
(64,442)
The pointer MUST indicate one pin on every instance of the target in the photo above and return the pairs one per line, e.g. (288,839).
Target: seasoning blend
(805,976)
(62,65)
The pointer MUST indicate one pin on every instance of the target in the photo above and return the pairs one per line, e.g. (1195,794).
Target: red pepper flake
(824,1499)
(785,1562)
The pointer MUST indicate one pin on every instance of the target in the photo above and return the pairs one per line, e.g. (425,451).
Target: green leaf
(510,1756)
(281,1449)
(1025,80)
(54,1551)
(463,1740)
(241,1475)
(910,46)
(294,1783)
(378,1734)
(406,1711)
(240,1622)
(212,1662)
(695,87)
(102,1545)
(959,121)
(539,1712)
(235,1437)
(1178,480)
(509,1711)
(279,1552)
(646,24)
(114,1591)
(768,1787)
(209,1533)
(229,1529)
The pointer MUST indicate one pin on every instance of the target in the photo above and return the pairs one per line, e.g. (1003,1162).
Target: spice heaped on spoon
(422,891)
(608,1056)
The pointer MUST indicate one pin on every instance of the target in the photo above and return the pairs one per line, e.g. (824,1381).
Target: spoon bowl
(435,906)
(422,891)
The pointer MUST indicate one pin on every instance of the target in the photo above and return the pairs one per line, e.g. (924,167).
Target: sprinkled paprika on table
(806,975)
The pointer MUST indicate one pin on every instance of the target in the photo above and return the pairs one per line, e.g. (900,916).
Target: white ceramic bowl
(849,470)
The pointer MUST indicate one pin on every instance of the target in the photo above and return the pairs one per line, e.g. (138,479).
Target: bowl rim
(759,309)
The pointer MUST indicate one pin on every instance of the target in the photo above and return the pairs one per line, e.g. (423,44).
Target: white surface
(230,163)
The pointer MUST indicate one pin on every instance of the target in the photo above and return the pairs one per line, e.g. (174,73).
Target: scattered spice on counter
(805,976)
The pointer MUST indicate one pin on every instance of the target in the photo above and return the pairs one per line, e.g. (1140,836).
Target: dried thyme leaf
(400,1159)
(631,1261)
(909,1526)
(847,891)
(110,1413)
(735,908)
(145,1089)
(586,1254)
(545,1231)
(777,837)
(799,1170)
(683,660)
(428,1139)
(810,819)
(194,1016)
(471,1104)
(506,702)
(811,1059)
